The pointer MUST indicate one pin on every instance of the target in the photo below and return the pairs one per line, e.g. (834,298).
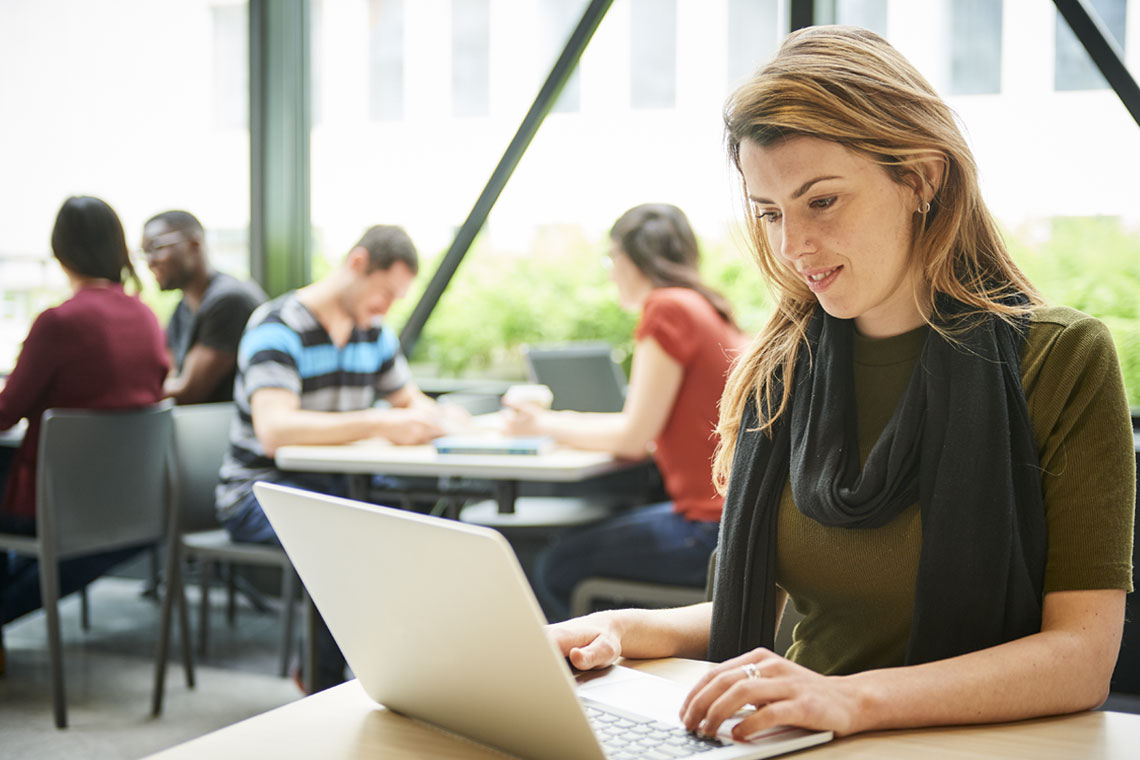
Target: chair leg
(84,610)
(231,594)
(288,592)
(49,593)
(153,582)
(204,613)
(162,651)
(184,630)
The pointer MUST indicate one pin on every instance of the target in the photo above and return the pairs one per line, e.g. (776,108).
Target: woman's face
(633,287)
(839,222)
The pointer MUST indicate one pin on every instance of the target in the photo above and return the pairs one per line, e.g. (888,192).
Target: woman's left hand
(783,693)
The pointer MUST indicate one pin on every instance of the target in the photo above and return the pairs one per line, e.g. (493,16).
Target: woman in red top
(100,349)
(685,342)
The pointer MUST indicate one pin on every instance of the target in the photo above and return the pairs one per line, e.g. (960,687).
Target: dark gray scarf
(959,443)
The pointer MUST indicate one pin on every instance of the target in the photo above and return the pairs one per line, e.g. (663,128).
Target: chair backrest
(201,437)
(102,478)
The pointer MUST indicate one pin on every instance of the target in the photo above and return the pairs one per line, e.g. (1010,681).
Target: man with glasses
(205,329)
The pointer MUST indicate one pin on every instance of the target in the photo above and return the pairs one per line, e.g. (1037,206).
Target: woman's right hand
(522,418)
(589,642)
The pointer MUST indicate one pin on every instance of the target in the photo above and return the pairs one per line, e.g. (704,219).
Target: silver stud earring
(923,209)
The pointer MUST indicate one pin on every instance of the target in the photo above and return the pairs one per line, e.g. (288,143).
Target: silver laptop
(437,621)
(582,376)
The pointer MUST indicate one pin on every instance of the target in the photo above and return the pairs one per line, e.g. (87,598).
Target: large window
(653,54)
(231,66)
(1074,69)
(558,20)
(641,121)
(975,46)
(869,14)
(140,103)
(386,59)
(470,56)
(754,31)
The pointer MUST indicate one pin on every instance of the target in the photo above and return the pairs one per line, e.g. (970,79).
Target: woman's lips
(820,279)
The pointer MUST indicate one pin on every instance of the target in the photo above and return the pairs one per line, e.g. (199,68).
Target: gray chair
(625,593)
(201,435)
(632,593)
(102,483)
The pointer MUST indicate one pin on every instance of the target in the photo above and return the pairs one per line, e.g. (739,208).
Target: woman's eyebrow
(800,190)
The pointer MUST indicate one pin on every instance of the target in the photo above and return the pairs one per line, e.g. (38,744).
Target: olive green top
(855,587)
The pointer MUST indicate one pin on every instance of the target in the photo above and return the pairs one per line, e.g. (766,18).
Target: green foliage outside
(498,301)
(1092,264)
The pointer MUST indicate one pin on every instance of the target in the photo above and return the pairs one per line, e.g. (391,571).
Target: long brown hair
(659,240)
(850,86)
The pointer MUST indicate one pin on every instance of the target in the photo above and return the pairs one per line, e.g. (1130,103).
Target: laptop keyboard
(628,736)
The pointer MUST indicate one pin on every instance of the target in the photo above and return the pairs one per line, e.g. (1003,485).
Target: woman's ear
(929,174)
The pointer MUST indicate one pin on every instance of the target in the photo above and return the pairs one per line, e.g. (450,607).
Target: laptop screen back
(582,376)
(436,619)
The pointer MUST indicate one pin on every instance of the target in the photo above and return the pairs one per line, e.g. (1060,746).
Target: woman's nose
(795,239)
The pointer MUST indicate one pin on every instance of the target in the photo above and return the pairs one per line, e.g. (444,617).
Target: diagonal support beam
(556,80)
(1103,50)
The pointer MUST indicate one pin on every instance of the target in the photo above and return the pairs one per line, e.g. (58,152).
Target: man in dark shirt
(205,330)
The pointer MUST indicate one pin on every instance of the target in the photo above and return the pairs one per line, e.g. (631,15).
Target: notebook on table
(437,621)
(493,444)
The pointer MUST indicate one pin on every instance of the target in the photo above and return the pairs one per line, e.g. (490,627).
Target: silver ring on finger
(750,670)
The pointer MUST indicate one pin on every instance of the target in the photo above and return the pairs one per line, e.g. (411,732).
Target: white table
(562,465)
(559,465)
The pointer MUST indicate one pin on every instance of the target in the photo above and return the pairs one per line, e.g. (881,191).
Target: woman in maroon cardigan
(100,349)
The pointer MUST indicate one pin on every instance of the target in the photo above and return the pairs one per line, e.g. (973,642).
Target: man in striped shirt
(311,365)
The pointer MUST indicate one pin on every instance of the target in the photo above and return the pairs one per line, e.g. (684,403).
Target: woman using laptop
(685,341)
(933,464)
(100,349)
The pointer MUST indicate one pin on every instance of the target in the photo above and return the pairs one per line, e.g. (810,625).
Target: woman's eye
(768,216)
(823,202)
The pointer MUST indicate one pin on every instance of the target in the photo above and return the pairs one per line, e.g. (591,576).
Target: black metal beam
(1103,50)
(556,80)
(801,13)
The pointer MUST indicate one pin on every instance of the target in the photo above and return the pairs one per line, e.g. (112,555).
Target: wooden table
(344,724)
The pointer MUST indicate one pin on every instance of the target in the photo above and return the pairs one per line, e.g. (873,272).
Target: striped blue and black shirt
(284,346)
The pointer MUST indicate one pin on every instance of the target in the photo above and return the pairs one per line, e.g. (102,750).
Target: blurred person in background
(205,329)
(100,349)
(312,366)
(685,342)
